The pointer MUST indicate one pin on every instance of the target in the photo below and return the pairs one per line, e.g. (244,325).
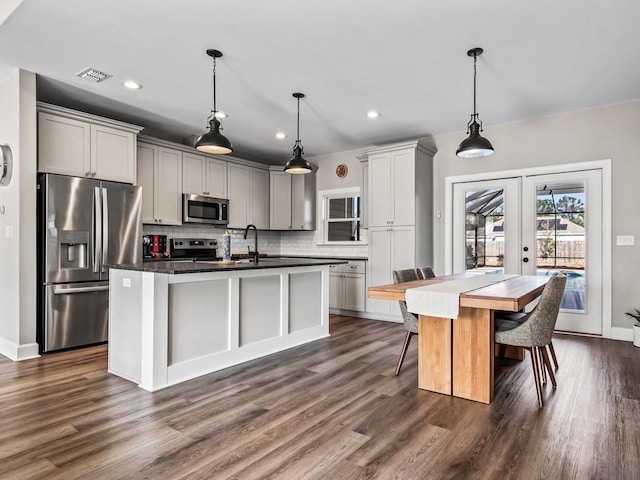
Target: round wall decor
(342,170)
(6,164)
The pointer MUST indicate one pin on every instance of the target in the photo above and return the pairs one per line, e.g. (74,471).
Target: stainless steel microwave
(199,209)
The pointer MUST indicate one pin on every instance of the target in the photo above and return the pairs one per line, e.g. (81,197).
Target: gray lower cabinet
(347,289)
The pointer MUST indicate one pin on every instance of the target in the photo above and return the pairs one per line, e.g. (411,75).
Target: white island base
(168,328)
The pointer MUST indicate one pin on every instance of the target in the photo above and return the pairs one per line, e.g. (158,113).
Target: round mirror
(6,164)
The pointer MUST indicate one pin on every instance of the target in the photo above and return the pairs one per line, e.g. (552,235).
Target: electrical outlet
(625,240)
(126,282)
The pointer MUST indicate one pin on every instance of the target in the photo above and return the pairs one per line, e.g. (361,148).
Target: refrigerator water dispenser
(74,248)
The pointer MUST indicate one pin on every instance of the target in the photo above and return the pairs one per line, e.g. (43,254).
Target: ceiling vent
(93,75)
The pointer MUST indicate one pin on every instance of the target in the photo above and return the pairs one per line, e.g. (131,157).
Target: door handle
(97,229)
(62,291)
(105,229)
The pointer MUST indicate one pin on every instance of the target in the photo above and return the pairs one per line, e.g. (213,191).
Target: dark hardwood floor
(331,409)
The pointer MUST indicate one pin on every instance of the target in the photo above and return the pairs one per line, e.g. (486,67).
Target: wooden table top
(512,294)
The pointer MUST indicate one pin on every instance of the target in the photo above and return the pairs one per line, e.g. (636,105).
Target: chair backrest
(425,272)
(542,319)
(407,275)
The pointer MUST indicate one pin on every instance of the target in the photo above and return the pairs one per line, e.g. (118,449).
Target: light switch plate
(8,231)
(126,282)
(625,240)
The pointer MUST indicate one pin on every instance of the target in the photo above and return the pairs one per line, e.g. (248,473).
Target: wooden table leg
(434,354)
(473,354)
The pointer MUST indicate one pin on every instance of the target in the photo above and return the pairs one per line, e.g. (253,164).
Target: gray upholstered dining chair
(535,331)
(520,317)
(425,272)
(410,319)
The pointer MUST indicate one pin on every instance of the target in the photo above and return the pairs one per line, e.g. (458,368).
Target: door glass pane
(484,231)
(561,239)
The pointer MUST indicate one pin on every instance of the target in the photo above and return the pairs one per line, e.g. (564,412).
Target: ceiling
(406,59)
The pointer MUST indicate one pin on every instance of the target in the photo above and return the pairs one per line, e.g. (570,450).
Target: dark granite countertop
(173,267)
(243,256)
(324,257)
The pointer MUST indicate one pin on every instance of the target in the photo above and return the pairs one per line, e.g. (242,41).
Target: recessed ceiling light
(132,85)
(281,136)
(373,114)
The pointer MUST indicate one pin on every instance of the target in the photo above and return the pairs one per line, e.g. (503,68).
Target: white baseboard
(16,352)
(625,334)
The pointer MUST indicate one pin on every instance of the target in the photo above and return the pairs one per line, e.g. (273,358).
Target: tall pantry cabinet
(400,180)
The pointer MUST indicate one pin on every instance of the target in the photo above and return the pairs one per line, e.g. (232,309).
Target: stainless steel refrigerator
(84,225)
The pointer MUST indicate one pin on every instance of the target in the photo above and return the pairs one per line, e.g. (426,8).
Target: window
(341,216)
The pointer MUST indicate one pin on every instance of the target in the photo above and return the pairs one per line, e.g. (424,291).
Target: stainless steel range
(193,249)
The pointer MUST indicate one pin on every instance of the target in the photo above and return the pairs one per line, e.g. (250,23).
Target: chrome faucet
(253,254)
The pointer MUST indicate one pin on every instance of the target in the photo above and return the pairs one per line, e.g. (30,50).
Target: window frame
(323,201)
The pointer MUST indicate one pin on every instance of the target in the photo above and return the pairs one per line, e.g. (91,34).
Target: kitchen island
(173,321)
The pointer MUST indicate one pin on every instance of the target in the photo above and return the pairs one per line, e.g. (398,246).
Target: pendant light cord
(214,87)
(474,115)
(475,59)
(298,133)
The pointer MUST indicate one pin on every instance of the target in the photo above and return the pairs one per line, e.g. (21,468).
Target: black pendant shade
(213,141)
(475,145)
(298,165)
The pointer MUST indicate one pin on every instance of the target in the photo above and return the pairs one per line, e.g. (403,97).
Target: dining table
(456,348)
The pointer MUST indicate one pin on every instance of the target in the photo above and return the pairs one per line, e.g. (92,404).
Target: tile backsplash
(270,242)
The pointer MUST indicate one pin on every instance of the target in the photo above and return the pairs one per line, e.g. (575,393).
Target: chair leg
(543,370)
(547,365)
(536,374)
(553,355)
(405,346)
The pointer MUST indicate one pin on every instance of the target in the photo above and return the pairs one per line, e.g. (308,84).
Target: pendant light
(213,141)
(475,145)
(298,165)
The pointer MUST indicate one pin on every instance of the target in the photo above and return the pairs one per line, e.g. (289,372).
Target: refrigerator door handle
(105,229)
(97,229)
(62,291)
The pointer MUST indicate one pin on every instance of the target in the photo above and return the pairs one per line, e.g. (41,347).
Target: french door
(486,227)
(537,225)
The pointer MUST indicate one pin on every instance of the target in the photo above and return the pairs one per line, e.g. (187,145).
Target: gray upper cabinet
(248,189)
(204,175)
(292,200)
(160,176)
(82,145)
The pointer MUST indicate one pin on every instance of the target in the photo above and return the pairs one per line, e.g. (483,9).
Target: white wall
(306,243)
(326,177)
(18,254)
(611,132)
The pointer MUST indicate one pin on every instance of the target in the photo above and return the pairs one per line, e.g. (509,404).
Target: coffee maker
(154,246)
